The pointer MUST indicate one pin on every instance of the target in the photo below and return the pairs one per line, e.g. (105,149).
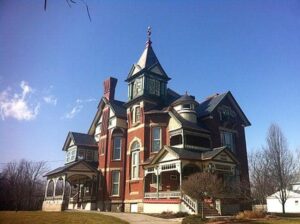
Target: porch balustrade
(162,194)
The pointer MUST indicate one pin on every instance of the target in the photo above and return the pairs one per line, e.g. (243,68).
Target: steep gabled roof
(208,106)
(91,165)
(191,154)
(148,61)
(80,139)
(118,108)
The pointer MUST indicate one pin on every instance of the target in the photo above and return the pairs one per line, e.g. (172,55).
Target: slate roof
(83,139)
(184,99)
(186,153)
(64,168)
(119,108)
(171,96)
(210,104)
(147,61)
(189,125)
(213,153)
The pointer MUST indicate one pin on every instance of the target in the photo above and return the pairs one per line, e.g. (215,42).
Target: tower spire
(149,31)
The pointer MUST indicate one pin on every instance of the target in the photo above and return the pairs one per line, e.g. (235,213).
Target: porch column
(64,186)
(180,174)
(46,190)
(157,182)
(54,183)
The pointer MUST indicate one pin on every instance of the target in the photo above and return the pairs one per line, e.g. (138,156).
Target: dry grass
(57,218)
(250,215)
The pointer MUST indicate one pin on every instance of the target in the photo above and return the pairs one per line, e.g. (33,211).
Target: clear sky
(53,63)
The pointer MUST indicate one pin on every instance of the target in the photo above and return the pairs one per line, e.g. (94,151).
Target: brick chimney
(109,88)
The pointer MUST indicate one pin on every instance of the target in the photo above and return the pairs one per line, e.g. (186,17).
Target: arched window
(50,189)
(59,187)
(135,159)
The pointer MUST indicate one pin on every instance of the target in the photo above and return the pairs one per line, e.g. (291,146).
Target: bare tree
(23,185)
(261,180)
(203,185)
(281,163)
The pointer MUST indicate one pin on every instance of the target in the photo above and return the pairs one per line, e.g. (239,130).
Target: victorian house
(136,154)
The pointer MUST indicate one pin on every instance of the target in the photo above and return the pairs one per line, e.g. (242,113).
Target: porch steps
(208,210)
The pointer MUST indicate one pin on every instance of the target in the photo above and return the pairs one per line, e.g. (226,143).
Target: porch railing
(163,194)
(190,202)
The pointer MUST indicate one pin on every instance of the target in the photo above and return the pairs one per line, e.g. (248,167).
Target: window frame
(153,139)
(135,161)
(232,145)
(117,183)
(114,148)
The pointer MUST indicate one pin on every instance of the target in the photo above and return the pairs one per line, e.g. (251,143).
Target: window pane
(115,182)
(228,140)
(117,148)
(156,139)
(135,164)
(156,133)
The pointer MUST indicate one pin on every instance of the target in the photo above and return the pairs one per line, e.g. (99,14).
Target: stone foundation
(52,206)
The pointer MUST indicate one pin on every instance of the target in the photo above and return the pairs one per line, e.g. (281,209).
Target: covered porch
(164,176)
(73,186)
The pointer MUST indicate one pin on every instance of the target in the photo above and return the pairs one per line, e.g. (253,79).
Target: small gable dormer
(79,146)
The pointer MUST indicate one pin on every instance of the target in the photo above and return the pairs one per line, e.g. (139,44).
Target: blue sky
(53,63)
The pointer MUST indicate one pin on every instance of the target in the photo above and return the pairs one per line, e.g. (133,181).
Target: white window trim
(120,152)
(135,152)
(152,138)
(113,183)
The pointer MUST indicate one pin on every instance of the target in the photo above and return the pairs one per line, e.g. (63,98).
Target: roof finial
(149,30)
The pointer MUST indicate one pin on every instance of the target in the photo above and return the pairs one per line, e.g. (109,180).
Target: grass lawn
(279,221)
(197,220)
(39,217)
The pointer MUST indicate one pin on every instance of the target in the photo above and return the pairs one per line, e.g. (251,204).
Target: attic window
(186,106)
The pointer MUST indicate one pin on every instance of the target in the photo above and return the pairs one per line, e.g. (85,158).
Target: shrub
(250,215)
(193,219)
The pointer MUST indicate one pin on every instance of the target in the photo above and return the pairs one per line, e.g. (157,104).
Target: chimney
(109,88)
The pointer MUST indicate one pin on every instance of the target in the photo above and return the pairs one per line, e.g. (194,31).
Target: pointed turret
(147,78)
(147,62)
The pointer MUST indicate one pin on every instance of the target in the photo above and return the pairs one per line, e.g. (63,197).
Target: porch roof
(92,166)
(190,154)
